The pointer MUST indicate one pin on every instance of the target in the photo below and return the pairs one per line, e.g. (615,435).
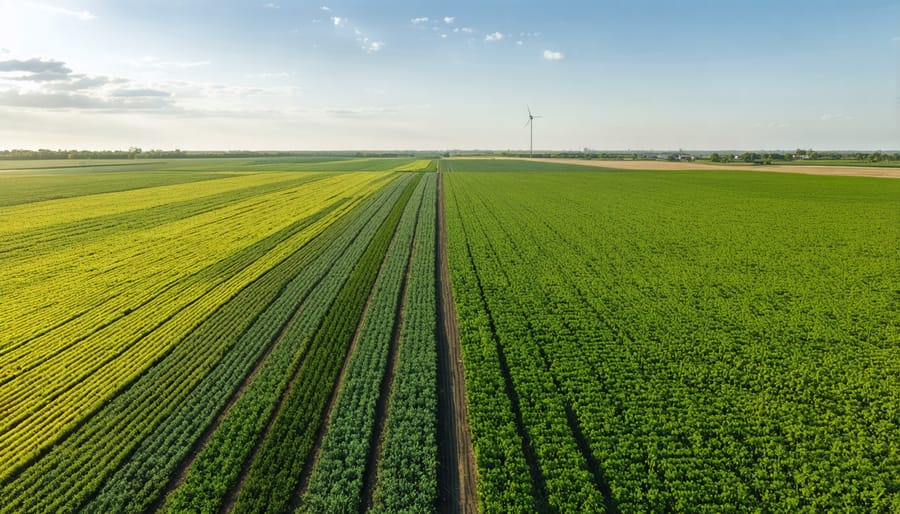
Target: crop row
(407,470)
(40,401)
(215,470)
(77,465)
(336,483)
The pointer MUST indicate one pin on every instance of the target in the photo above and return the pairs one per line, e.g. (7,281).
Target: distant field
(680,340)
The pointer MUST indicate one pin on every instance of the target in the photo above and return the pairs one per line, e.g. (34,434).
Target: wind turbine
(530,121)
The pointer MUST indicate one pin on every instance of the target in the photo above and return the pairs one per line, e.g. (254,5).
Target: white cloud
(325,8)
(374,46)
(272,5)
(553,56)
(4,50)
(834,117)
(520,43)
(443,36)
(338,21)
(467,29)
(80,15)
(449,19)
(422,19)
(895,38)
(496,36)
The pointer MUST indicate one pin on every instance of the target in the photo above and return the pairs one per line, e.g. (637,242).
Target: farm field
(171,334)
(677,341)
(316,334)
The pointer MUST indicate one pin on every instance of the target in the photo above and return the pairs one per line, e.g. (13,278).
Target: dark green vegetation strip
(275,472)
(707,340)
(223,345)
(336,483)
(407,471)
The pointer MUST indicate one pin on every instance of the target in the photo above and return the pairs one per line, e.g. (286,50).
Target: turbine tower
(530,122)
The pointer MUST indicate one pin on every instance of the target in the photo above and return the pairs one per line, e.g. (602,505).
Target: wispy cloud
(895,38)
(467,30)
(421,19)
(834,117)
(271,5)
(520,43)
(366,44)
(70,101)
(550,55)
(495,36)
(325,8)
(80,15)
(449,19)
(37,70)
(4,51)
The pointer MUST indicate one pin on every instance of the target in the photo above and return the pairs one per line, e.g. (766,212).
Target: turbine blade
(529,110)
(526,123)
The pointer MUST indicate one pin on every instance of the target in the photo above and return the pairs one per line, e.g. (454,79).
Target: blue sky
(639,74)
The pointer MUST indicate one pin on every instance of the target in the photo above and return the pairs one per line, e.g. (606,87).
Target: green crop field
(279,334)
(678,341)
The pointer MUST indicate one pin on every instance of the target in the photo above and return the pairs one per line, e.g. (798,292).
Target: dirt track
(456,469)
(846,171)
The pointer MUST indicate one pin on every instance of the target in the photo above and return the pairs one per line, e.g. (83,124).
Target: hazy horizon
(342,76)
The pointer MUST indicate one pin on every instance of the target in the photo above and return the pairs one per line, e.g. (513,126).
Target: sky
(439,75)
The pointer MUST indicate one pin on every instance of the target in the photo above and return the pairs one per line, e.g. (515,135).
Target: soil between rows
(456,467)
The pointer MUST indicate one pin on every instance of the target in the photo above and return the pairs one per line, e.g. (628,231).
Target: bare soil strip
(811,169)
(456,468)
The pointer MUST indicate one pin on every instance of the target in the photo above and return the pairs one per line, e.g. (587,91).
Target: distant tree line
(800,154)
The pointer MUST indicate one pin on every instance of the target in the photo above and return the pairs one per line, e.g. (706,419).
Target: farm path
(456,469)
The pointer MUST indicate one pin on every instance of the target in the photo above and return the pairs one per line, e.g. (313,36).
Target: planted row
(336,483)
(407,471)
